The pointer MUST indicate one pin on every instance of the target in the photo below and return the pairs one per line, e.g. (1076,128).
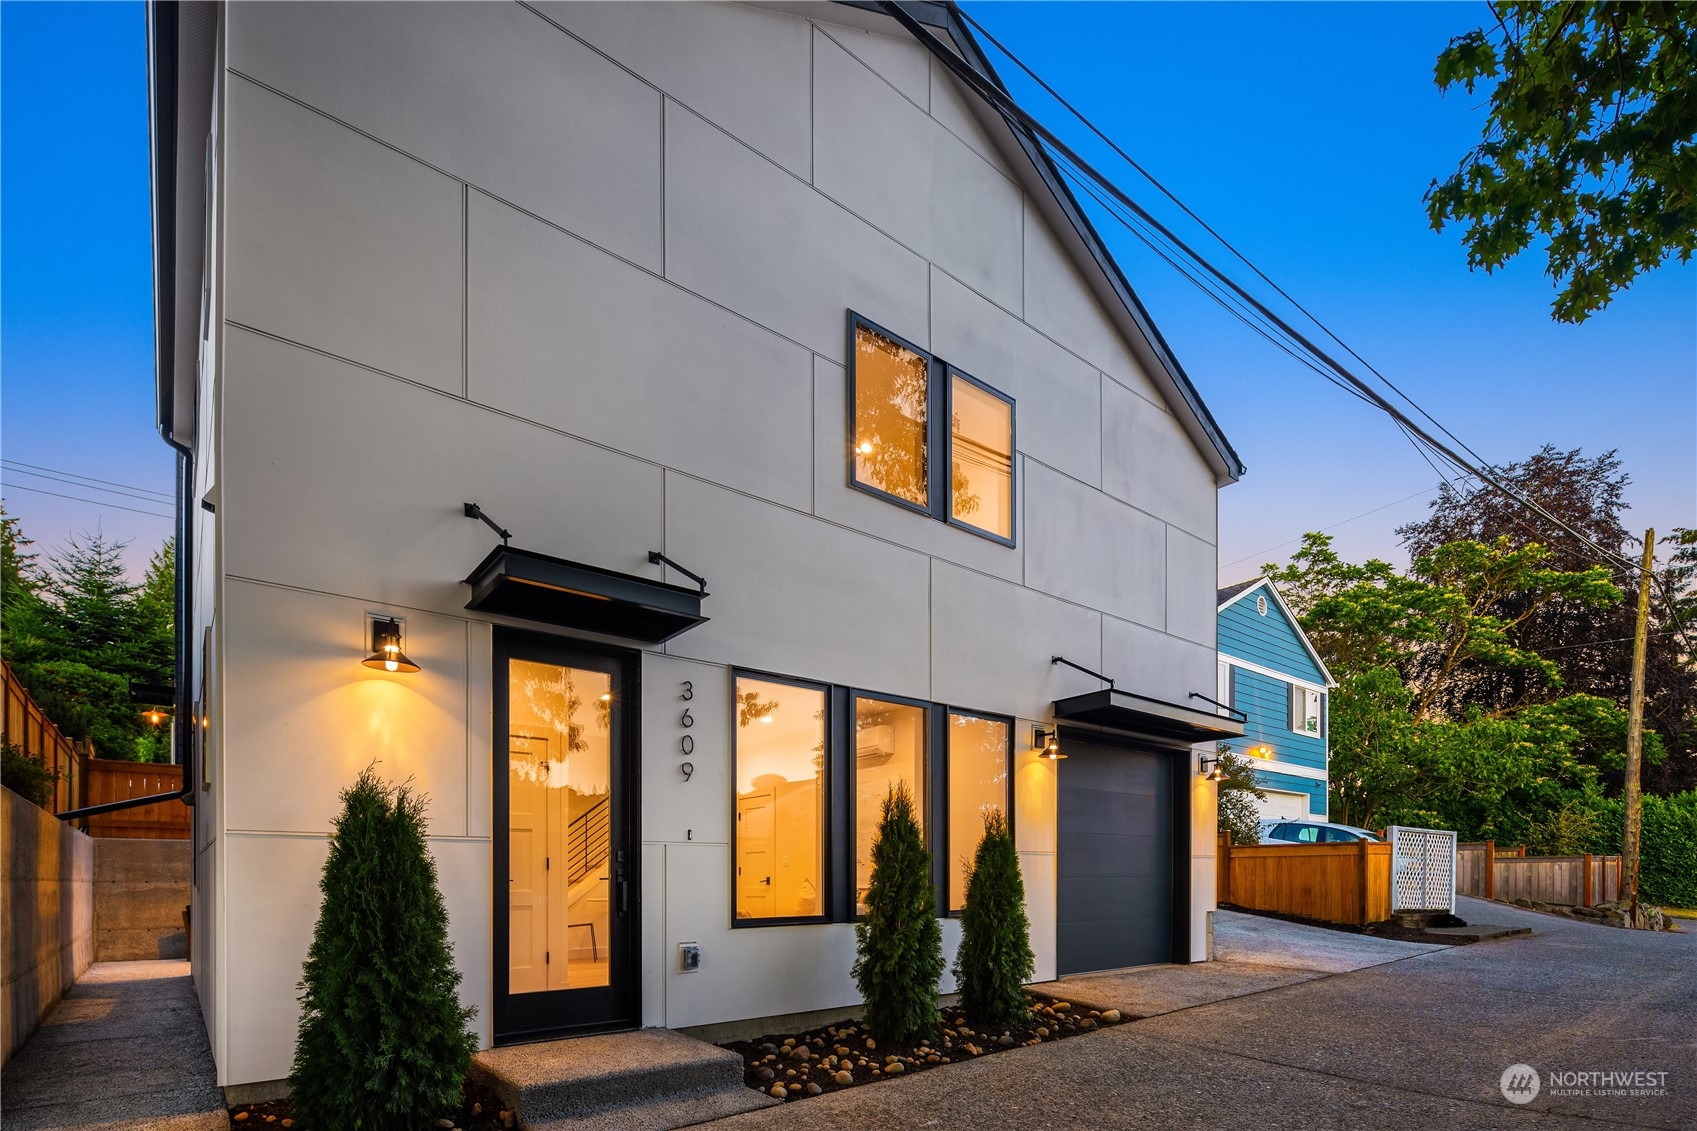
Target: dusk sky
(1305,133)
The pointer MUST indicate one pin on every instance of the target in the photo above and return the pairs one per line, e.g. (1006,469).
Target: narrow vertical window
(889,748)
(980,457)
(978,784)
(892,393)
(780,783)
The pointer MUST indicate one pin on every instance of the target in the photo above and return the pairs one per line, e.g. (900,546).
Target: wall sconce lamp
(1210,768)
(153,715)
(1048,745)
(386,654)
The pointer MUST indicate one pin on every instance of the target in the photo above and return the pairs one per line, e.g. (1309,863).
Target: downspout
(162,92)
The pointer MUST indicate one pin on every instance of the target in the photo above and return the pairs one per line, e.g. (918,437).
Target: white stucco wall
(591,268)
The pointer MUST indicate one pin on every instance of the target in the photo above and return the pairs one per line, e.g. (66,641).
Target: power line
(1017,117)
(165,495)
(149,497)
(80,499)
(1333,526)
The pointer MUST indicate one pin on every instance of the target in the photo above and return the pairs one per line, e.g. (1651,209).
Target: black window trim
(827,845)
(947,712)
(950,372)
(939,436)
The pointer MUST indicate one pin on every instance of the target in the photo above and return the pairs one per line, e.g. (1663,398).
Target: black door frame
(539,1016)
(1181,765)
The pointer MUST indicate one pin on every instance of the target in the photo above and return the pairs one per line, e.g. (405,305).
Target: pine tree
(900,940)
(995,960)
(383,1043)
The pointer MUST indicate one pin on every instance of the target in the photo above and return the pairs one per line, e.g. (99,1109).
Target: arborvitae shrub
(994,961)
(383,1043)
(900,939)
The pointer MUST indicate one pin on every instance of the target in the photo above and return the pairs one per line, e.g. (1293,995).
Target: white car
(1313,832)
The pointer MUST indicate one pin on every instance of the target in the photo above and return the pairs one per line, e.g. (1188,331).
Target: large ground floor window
(813,764)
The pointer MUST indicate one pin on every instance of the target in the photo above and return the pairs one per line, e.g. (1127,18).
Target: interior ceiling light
(386,654)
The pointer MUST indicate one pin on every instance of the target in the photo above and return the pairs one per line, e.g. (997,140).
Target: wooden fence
(111,780)
(1337,883)
(1484,870)
(31,731)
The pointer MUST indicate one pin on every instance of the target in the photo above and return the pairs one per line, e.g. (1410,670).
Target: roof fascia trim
(1266,583)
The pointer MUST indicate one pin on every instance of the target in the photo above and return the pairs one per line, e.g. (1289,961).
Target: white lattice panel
(1422,869)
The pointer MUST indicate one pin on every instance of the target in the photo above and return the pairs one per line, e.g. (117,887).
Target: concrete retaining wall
(46,913)
(140,890)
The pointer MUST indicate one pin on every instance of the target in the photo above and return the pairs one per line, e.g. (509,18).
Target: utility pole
(1635,734)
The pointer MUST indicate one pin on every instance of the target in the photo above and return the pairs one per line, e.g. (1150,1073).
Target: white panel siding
(692,810)
(1058,396)
(1149,462)
(311,717)
(571,337)
(1190,565)
(1151,662)
(887,160)
(750,236)
(897,59)
(271,902)
(1058,302)
(346,481)
(991,642)
(490,93)
(798,596)
(340,243)
(1092,549)
(744,69)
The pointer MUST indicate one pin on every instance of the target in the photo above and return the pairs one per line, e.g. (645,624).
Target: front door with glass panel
(565,839)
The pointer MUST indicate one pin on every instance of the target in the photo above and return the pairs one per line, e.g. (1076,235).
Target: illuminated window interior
(780,758)
(889,747)
(891,409)
(978,785)
(559,766)
(981,458)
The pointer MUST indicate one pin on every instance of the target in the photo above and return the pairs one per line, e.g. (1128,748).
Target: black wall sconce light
(1047,744)
(1210,768)
(386,654)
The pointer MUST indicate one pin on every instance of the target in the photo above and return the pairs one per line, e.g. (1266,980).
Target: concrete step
(642,1080)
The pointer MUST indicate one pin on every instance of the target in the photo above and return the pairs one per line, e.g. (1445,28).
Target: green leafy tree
(1588,146)
(995,960)
(383,1043)
(900,941)
(1371,768)
(1239,815)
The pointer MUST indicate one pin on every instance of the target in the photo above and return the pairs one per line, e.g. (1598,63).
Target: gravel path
(125,1047)
(1419,1039)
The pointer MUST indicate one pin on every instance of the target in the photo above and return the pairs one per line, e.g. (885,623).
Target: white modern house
(655,429)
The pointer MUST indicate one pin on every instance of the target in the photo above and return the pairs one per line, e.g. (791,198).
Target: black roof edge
(162,136)
(946,15)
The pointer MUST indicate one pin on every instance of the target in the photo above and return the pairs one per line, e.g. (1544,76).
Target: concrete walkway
(125,1048)
(1399,1036)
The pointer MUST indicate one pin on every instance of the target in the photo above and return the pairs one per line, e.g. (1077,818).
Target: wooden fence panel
(29,729)
(110,780)
(1337,883)
(1511,875)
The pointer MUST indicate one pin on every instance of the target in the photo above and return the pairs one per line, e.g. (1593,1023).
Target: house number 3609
(686,743)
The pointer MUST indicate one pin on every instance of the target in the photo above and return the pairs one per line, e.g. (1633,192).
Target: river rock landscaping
(796,1066)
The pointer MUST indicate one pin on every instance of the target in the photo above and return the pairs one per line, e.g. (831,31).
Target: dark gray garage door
(1115,859)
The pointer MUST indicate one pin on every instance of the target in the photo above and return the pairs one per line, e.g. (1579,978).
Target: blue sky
(1306,133)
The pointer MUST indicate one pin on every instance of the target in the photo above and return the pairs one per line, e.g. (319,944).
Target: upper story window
(914,414)
(1306,710)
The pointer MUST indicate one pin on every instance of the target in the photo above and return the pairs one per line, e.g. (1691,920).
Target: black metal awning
(1145,717)
(536,587)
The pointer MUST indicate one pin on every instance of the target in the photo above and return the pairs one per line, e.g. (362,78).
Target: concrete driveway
(1298,1027)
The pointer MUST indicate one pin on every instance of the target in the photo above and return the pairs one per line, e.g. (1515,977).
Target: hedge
(1667,868)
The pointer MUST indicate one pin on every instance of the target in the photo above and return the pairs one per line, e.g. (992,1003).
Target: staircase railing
(588,839)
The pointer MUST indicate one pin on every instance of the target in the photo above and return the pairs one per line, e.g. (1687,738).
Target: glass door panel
(559,827)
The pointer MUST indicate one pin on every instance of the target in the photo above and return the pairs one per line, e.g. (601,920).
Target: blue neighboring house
(1270,672)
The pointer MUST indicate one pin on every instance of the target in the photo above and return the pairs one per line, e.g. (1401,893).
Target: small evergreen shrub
(900,940)
(995,960)
(1239,815)
(383,1044)
(27,775)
